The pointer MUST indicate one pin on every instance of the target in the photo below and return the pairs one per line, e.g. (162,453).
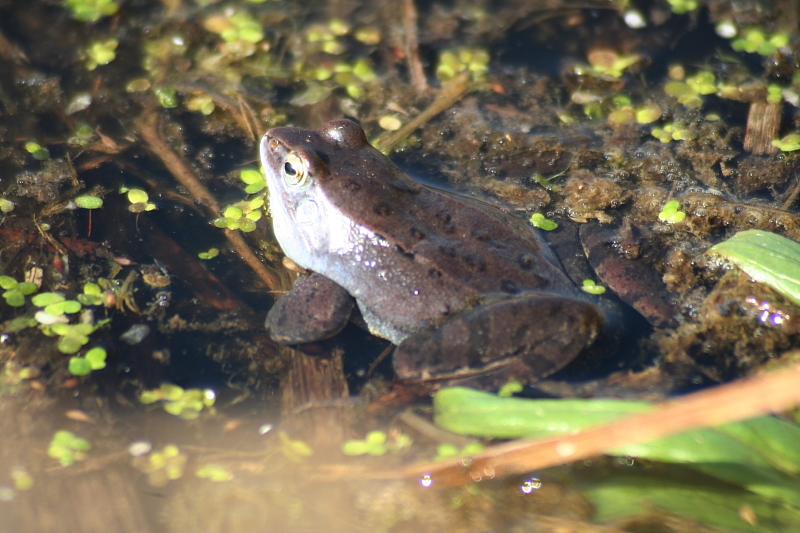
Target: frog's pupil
(289,169)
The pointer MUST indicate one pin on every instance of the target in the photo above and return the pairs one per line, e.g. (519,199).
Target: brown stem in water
(412,47)
(450,93)
(746,398)
(148,129)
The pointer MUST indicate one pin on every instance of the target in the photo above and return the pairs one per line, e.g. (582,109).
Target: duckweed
(789,143)
(774,94)
(679,7)
(139,199)
(88,202)
(689,91)
(167,97)
(67,448)
(91,10)
(203,104)
(101,53)
(95,359)
(294,450)
(671,213)
(446,450)
(755,41)
(16,291)
(539,221)
(242,215)
(214,472)
(73,336)
(590,287)
(210,254)
(612,64)
(92,294)
(374,443)
(37,151)
(6,206)
(452,63)
(673,132)
(184,403)
(162,466)
(254,179)
(23,480)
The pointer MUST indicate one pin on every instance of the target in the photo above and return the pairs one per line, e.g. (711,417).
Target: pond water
(140,390)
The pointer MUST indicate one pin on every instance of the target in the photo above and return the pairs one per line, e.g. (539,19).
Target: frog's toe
(315,309)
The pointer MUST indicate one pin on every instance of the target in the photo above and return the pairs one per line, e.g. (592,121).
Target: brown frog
(463,288)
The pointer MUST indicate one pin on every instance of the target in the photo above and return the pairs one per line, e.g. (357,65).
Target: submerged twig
(747,398)
(450,93)
(412,47)
(148,128)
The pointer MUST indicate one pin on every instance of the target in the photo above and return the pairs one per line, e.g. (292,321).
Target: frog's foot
(538,333)
(315,309)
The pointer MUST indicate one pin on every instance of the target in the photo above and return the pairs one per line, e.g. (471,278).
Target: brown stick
(750,397)
(148,129)
(740,400)
(450,93)
(412,47)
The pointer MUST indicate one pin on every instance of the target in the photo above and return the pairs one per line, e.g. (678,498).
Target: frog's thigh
(544,332)
(315,309)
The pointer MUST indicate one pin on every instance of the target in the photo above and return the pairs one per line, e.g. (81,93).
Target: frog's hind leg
(527,337)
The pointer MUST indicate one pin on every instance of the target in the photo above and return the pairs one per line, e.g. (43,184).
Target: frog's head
(300,166)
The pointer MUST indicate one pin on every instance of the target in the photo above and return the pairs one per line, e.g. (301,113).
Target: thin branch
(746,398)
(450,93)
(412,47)
(148,129)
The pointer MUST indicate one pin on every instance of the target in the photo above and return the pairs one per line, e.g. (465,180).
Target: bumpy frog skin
(414,257)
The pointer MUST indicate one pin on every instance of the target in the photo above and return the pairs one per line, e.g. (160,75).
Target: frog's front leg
(530,336)
(315,309)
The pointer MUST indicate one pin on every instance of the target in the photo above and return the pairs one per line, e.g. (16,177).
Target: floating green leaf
(482,414)
(760,455)
(539,221)
(91,10)
(767,258)
(47,298)
(214,472)
(671,213)
(67,447)
(590,287)
(6,206)
(79,366)
(89,202)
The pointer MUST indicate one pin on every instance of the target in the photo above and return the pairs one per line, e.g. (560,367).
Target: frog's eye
(294,170)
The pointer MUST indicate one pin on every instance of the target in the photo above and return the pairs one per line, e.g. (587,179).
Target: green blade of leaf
(767,258)
(482,414)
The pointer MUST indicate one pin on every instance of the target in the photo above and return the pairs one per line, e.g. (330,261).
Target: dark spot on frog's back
(525,261)
(383,209)
(448,251)
(417,233)
(480,235)
(509,286)
(352,186)
(445,221)
(400,250)
(475,263)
